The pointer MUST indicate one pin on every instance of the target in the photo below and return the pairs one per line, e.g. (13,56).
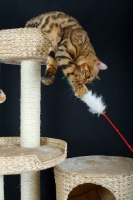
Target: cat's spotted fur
(70,49)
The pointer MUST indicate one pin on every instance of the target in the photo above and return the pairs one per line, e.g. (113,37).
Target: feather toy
(95,103)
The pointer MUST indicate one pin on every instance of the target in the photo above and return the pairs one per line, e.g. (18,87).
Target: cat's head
(88,70)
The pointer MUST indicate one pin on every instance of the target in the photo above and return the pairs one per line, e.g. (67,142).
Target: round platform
(97,165)
(113,174)
(21,44)
(15,160)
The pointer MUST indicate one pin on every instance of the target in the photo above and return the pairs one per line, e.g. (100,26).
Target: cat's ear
(100,65)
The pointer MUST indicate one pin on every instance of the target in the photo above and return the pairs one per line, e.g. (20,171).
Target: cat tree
(28,154)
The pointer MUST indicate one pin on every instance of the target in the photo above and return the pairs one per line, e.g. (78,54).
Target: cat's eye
(91,76)
(98,63)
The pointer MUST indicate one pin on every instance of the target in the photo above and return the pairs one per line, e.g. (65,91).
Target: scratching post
(30,123)
(30,186)
(1,187)
(30,104)
(28,154)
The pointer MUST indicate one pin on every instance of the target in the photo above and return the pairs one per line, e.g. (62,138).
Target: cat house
(94,178)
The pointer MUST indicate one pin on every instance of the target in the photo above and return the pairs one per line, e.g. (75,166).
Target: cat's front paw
(47,80)
(80,92)
(49,76)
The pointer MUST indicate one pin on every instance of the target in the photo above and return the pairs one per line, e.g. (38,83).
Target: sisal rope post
(30,186)
(30,123)
(1,187)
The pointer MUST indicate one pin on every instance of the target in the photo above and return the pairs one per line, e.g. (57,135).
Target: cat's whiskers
(68,90)
(75,99)
(71,93)
(93,84)
(70,97)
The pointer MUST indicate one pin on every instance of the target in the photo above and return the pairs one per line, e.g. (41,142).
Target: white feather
(95,103)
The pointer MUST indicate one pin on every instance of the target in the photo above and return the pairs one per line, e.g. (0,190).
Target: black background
(63,116)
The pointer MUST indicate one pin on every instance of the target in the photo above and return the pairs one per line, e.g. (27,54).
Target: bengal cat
(70,49)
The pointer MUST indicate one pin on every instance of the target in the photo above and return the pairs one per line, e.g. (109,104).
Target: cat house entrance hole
(89,191)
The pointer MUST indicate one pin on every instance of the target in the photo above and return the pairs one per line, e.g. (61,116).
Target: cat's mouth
(85,81)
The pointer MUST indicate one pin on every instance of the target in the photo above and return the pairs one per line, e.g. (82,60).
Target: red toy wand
(103,113)
(97,106)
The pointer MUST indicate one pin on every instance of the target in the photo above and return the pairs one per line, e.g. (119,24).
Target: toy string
(118,132)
